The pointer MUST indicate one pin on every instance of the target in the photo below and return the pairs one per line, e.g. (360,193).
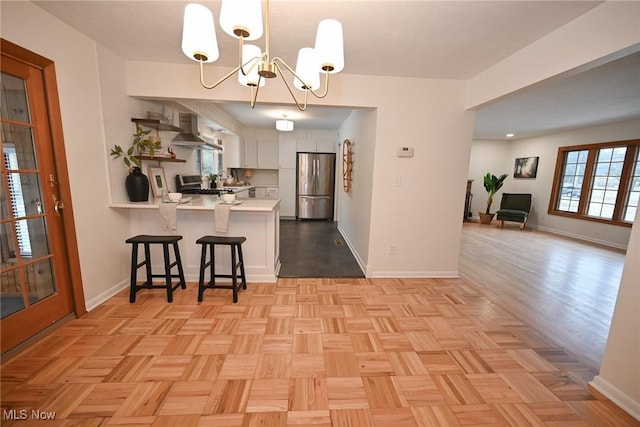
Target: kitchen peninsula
(257,220)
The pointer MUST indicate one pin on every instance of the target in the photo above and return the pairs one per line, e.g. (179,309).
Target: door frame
(60,165)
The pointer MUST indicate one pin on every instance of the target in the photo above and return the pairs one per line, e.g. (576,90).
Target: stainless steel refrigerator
(315,180)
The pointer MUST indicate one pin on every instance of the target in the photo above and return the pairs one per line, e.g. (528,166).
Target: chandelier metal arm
(206,86)
(254,93)
(301,107)
(257,59)
(326,79)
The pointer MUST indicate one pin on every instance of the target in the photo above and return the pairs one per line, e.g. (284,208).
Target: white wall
(354,208)
(619,377)
(609,31)
(76,63)
(487,156)
(499,157)
(426,114)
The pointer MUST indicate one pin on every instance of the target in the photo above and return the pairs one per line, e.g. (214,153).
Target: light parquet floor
(304,352)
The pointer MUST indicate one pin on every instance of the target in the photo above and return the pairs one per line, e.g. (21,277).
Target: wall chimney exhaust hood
(190,137)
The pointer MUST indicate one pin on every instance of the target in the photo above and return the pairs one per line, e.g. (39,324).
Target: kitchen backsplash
(260,176)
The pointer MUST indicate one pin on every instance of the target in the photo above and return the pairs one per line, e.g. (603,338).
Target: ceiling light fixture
(510,135)
(243,20)
(284,125)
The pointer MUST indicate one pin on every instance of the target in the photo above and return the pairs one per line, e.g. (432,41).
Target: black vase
(137,186)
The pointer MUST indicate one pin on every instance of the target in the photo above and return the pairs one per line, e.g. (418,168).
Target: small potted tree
(137,183)
(492,184)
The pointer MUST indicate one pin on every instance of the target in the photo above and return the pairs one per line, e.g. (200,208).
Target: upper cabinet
(233,156)
(260,149)
(250,153)
(316,142)
(261,153)
(268,154)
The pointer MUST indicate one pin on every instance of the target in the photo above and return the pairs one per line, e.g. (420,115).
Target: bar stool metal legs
(235,243)
(147,241)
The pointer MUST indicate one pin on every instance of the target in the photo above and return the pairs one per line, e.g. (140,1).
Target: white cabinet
(316,142)
(287,192)
(287,152)
(267,193)
(250,153)
(305,145)
(268,154)
(261,154)
(273,193)
(325,143)
(261,192)
(233,156)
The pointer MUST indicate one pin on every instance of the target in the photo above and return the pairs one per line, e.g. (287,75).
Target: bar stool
(147,241)
(236,245)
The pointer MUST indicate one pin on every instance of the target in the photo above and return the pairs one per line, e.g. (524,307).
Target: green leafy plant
(492,184)
(141,145)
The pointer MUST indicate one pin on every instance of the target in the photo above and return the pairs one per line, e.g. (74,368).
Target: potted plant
(213,178)
(137,183)
(492,184)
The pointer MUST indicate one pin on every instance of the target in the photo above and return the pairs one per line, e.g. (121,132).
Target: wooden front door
(36,288)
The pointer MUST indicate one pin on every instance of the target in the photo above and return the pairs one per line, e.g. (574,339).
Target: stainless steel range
(190,184)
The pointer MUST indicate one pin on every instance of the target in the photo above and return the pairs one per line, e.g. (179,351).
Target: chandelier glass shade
(242,19)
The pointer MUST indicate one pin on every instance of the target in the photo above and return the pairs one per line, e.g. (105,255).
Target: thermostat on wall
(404,152)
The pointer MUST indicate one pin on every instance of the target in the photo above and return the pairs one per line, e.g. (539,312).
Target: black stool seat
(145,238)
(236,246)
(147,241)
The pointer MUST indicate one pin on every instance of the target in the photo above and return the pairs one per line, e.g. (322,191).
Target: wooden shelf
(161,159)
(156,124)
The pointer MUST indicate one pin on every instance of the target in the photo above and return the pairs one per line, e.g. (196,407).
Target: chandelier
(242,19)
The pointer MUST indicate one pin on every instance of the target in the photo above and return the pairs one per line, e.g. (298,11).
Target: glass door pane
(26,268)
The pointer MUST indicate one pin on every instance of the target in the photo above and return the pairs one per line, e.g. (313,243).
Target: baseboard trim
(106,295)
(355,253)
(415,274)
(617,396)
(578,237)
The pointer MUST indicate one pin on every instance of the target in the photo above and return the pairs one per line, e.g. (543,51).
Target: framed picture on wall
(158,181)
(526,167)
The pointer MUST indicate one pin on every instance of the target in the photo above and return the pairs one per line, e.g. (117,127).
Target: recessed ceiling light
(510,135)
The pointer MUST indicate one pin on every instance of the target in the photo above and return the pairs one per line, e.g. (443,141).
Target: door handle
(57,205)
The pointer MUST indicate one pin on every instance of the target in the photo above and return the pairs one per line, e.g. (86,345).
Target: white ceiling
(441,39)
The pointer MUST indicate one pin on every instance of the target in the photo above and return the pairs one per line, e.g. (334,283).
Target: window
(634,191)
(17,200)
(598,182)
(208,161)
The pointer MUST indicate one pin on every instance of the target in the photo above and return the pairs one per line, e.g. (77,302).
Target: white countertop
(204,202)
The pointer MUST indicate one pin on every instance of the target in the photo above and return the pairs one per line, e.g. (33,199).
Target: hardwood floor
(315,352)
(563,288)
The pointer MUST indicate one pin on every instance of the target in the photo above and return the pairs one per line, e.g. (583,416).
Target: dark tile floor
(315,249)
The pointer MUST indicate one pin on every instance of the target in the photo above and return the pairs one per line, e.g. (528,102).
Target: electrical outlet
(397,181)
(392,249)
